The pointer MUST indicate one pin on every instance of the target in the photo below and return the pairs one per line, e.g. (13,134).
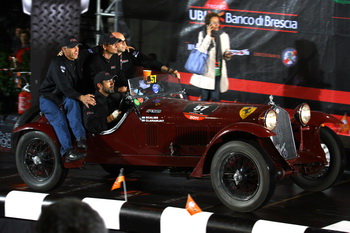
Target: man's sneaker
(81,144)
(73,155)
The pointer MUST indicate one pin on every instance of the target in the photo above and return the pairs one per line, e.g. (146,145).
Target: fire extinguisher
(24,99)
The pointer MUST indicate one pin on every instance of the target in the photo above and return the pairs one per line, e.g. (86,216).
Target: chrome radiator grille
(284,139)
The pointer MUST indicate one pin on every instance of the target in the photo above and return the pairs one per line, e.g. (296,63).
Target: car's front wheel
(39,162)
(243,177)
(330,173)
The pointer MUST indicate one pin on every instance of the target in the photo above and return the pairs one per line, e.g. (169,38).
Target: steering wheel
(126,102)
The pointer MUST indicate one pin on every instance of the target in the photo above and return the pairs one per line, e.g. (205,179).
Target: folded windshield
(159,85)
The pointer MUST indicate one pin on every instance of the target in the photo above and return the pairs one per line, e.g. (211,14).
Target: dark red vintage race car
(244,148)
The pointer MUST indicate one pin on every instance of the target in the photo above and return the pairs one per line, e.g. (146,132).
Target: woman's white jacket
(207,80)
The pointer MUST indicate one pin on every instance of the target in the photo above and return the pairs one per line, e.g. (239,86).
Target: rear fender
(245,127)
(45,128)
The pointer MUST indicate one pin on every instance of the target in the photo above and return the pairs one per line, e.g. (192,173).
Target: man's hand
(176,74)
(128,48)
(113,116)
(168,70)
(88,100)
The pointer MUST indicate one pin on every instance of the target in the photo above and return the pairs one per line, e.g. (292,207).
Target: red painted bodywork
(169,138)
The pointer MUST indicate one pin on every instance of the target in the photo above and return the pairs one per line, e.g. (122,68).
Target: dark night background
(11,16)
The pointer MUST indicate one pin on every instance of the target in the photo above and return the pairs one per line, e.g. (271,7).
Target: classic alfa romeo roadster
(244,148)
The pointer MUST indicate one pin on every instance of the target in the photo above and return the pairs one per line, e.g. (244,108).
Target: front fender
(318,118)
(246,127)
(45,128)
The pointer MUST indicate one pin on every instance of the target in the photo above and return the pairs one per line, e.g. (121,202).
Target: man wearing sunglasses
(103,60)
(130,58)
(119,60)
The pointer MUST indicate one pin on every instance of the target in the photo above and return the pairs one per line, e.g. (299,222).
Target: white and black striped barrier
(141,218)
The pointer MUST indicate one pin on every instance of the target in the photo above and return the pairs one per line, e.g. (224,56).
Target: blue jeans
(61,121)
(214,95)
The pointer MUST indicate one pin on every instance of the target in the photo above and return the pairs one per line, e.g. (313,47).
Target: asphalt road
(289,204)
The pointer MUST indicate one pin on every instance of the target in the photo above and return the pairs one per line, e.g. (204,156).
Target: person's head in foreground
(70,215)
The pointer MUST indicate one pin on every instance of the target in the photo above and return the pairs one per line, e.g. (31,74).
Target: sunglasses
(120,40)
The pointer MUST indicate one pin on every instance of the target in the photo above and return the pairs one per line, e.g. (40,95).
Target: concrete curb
(142,218)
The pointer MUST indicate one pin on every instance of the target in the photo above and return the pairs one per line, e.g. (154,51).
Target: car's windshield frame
(155,86)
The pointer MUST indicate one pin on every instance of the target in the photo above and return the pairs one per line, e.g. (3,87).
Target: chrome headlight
(270,119)
(303,114)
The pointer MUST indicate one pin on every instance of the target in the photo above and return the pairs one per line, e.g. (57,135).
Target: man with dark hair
(59,99)
(119,59)
(70,215)
(104,114)
(103,60)
(130,58)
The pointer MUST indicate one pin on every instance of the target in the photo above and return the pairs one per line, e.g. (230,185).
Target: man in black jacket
(120,60)
(103,60)
(59,99)
(104,114)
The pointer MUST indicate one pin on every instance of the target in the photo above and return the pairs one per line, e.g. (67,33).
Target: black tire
(31,115)
(242,176)
(39,162)
(331,173)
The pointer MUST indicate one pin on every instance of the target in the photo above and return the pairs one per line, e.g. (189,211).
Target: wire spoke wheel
(39,162)
(242,176)
(39,159)
(331,172)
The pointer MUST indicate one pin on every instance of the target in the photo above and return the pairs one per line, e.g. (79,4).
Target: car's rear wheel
(39,162)
(242,176)
(31,115)
(330,173)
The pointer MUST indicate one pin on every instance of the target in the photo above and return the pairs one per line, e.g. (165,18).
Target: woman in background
(217,43)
